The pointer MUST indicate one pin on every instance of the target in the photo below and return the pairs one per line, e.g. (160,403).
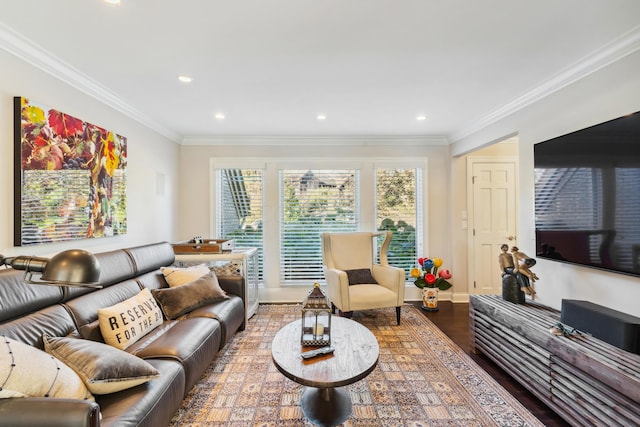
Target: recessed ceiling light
(421,118)
(321,117)
(112,1)
(219,116)
(185,79)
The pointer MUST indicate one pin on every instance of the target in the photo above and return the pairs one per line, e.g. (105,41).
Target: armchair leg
(398,314)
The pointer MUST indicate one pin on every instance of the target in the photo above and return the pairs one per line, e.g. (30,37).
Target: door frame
(471,161)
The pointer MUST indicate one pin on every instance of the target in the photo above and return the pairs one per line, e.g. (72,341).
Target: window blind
(240,208)
(399,209)
(313,202)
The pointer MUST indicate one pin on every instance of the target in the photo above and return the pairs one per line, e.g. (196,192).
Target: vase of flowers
(431,281)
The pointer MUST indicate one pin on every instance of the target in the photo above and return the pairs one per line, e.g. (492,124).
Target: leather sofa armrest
(233,285)
(49,412)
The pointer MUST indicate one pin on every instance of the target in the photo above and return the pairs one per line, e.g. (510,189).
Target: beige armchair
(351,272)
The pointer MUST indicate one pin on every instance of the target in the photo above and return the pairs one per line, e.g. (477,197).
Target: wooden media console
(585,380)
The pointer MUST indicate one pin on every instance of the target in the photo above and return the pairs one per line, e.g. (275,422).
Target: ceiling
(271,67)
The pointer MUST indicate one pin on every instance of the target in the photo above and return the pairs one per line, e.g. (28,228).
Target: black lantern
(316,318)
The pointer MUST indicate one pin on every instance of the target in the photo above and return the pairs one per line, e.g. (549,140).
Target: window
(239,196)
(398,210)
(282,207)
(313,202)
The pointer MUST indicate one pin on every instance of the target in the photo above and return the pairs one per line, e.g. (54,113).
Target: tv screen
(587,196)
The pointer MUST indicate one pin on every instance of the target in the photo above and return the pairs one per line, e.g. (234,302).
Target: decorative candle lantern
(316,318)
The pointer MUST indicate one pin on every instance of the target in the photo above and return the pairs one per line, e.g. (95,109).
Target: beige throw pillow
(26,371)
(176,276)
(103,368)
(125,323)
(180,300)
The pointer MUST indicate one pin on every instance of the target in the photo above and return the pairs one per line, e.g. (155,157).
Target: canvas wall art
(70,177)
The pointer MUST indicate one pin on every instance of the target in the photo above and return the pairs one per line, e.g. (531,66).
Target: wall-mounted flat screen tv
(587,196)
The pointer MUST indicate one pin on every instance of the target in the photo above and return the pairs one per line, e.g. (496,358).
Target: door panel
(493,221)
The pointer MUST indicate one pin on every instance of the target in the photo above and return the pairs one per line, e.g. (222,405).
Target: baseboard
(295,294)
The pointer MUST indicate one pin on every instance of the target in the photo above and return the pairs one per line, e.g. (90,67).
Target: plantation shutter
(240,208)
(399,210)
(313,202)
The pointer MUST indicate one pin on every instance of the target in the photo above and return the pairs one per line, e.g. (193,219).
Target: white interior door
(493,219)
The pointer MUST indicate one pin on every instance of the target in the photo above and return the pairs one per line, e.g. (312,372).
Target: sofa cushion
(125,323)
(151,257)
(193,342)
(229,312)
(150,404)
(84,309)
(26,371)
(176,276)
(183,299)
(53,320)
(103,369)
(18,298)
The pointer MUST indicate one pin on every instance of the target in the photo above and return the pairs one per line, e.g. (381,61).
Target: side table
(355,356)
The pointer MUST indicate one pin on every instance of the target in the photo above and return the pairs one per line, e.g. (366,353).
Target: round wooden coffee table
(355,356)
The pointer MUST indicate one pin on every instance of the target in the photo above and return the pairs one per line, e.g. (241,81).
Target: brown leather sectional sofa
(180,350)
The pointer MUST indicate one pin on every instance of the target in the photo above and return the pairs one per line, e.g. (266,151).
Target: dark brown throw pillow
(360,276)
(182,299)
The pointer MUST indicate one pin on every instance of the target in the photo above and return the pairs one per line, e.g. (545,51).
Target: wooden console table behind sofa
(585,380)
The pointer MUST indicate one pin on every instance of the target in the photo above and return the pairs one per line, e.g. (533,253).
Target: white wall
(606,94)
(151,217)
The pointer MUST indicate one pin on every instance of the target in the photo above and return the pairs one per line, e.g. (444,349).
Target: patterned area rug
(422,379)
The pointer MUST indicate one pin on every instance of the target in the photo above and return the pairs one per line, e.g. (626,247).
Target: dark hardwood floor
(453,320)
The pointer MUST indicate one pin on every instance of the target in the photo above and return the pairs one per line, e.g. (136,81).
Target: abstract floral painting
(70,177)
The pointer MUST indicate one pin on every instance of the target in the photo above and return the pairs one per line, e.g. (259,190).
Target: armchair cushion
(360,276)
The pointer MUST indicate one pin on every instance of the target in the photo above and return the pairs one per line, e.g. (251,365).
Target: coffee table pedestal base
(326,407)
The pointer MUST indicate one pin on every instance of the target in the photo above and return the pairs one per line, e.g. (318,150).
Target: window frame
(271,192)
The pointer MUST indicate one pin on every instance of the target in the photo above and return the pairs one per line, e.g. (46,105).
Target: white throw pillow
(26,371)
(125,323)
(176,276)
(103,368)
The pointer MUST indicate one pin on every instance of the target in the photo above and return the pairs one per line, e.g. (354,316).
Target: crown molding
(293,140)
(28,51)
(613,51)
